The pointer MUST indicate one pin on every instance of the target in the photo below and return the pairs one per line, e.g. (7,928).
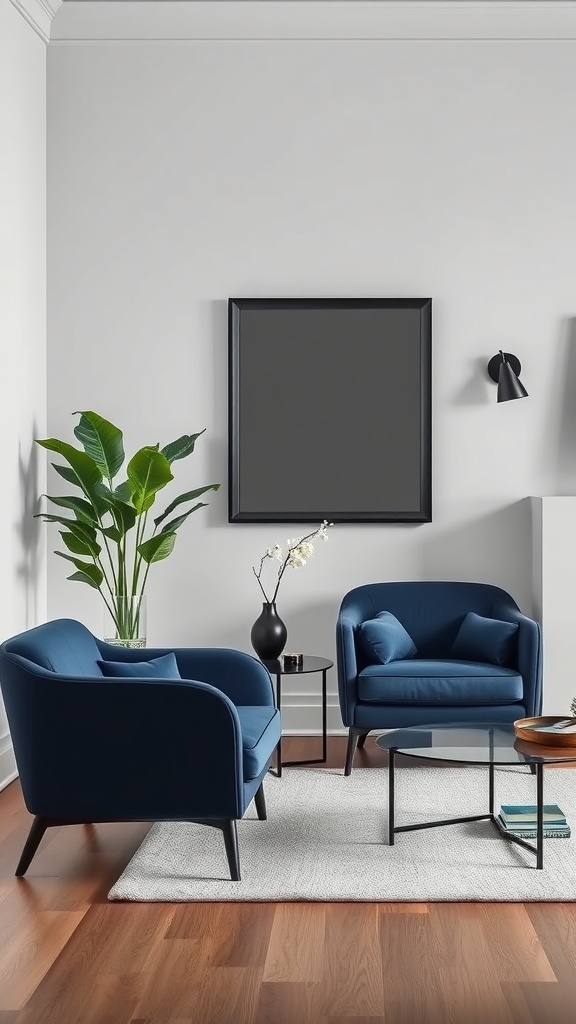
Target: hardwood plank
(402,908)
(550,1004)
(470,987)
(116,940)
(238,933)
(30,952)
(517,1005)
(355,1020)
(411,993)
(555,925)
(352,984)
(296,946)
(184,985)
(285,1002)
(515,947)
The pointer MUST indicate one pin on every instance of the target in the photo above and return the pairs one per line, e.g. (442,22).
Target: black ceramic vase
(268,634)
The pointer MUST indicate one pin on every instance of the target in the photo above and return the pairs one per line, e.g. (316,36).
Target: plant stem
(290,550)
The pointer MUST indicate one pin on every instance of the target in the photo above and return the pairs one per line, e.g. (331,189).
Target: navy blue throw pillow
(164,667)
(384,639)
(481,639)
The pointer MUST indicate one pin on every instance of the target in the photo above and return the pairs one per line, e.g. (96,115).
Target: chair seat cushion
(430,681)
(260,734)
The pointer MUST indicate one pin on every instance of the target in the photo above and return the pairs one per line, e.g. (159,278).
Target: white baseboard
(302,715)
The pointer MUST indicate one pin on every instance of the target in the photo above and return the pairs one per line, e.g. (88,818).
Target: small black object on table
(276,667)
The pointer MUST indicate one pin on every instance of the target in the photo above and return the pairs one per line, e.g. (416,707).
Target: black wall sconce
(505,370)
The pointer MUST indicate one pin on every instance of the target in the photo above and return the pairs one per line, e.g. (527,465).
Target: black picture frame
(330,410)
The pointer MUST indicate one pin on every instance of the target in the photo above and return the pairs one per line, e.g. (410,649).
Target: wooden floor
(67,956)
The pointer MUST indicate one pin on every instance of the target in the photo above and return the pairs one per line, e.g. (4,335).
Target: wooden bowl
(524,729)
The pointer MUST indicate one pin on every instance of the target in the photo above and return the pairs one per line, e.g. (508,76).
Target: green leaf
(76,544)
(148,471)
(113,533)
(85,542)
(102,441)
(124,514)
(46,517)
(182,447)
(88,568)
(85,470)
(189,496)
(82,577)
(68,474)
(82,508)
(157,548)
(174,524)
(123,492)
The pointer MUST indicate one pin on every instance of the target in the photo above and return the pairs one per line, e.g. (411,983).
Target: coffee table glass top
(471,743)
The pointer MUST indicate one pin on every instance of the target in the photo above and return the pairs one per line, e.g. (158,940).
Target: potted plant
(108,536)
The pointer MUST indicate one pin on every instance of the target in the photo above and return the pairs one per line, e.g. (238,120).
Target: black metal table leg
(279,747)
(391,797)
(310,760)
(540,815)
(324,725)
(491,788)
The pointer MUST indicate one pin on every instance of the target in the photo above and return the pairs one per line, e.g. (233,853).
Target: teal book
(529,831)
(528,813)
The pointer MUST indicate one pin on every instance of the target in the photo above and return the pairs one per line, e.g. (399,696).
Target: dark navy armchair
(430,661)
(94,748)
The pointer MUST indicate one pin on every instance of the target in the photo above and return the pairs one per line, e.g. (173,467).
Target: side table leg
(324,736)
(391,753)
(540,815)
(279,747)
(491,788)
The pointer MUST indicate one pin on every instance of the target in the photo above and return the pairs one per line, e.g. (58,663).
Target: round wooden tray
(524,729)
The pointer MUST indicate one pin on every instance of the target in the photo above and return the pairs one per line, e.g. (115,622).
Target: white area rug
(326,839)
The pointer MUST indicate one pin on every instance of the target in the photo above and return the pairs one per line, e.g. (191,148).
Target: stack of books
(520,820)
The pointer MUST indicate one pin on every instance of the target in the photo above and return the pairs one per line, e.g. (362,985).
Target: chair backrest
(63,646)
(430,610)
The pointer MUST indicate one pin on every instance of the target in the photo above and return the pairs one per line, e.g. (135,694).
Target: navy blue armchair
(94,748)
(447,671)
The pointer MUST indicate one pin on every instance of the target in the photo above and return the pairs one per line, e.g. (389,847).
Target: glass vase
(127,626)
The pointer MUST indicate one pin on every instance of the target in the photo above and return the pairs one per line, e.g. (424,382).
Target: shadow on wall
(564,385)
(476,390)
(28,530)
(495,548)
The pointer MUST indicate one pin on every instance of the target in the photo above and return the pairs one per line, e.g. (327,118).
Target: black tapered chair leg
(39,826)
(260,801)
(231,843)
(353,734)
(362,740)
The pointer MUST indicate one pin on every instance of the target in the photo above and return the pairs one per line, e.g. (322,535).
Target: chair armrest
(347,663)
(243,678)
(529,658)
(126,749)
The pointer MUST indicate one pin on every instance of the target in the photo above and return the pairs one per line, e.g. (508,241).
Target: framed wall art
(330,410)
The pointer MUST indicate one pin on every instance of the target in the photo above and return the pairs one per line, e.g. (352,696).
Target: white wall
(554,576)
(184,173)
(22,330)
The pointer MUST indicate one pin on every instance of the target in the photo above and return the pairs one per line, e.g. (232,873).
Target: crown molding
(38,14)
(80,21)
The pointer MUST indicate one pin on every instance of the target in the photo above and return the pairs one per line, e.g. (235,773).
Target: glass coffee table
(473,744)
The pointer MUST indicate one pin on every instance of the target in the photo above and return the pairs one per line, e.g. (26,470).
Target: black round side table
(277,668)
